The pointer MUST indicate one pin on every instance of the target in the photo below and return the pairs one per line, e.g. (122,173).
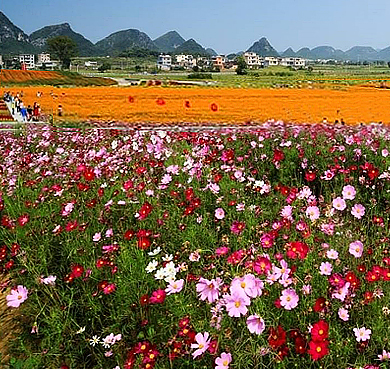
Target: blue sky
(224,25)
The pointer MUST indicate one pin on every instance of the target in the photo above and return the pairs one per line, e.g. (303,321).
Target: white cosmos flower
(155,252)
(151,266)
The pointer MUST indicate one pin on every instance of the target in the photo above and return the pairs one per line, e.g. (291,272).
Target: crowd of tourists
(29,113)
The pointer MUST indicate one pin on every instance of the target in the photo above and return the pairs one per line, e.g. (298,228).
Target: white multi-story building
(28,60)
(253,60)
(43,58)
(186,61)
(293,62)
(164,62)
(270,61)
(91,64)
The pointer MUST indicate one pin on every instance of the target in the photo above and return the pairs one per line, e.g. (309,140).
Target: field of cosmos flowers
(249,248)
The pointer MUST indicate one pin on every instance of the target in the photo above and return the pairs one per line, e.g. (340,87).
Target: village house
(219,61)
(27,61)
(253,61)
(186,61)
(164,62)
(91,65)
(44,61)
(293,62)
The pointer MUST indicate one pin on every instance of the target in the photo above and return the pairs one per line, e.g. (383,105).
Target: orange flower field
(217,105)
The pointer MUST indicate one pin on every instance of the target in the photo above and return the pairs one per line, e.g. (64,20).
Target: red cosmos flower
(318,349)
(372,276)
(310,176)
(82,187)
(187,104)
(129,234)
(158,297)
(71,226)
(282,352)
(142,347)
(141,170)
(160,101)
(110,288)
(151,356)
(278,155)
(386,274)
(300,345)
(227,155)
(297,250)
(131,99)
(143,242)
(188,210)
(214,107)
(9,264)
(101,192)
(23,219)
(184,322)
(276,337)
(320,304)
(236,257)
(145,210)
(320,331)
(144,300)
(213,347)
(14,249)
(77,270)
(89,174)
(262,265)
(353,280)
(237,227)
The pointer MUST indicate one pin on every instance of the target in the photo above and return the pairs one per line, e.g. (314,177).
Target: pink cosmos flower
(286,212)
(358,211)
(356,249)
(349,192)
(255,324)
(174,286)
(313,212)
(202,344)
(385,356)
(208,289)
(244,285)
(343,314)
(50,280)
(223,361)
(362,334)
(219,213)
(289,299)
(341,293)
(236,304)
(17,296)
(332,254)
(326,268)
(97,237)
(339,203)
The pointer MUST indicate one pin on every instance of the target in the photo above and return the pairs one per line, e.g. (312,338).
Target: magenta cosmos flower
(339,203)
(219,213)
(289,299)
(17,296)
(356,249)
(237,227)
(358,211)
(362,334)
(255,324)
(349,192)
(202,344)
(223,361)
(208,290)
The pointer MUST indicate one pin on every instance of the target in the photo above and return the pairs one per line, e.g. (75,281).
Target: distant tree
(105,66)
(241,66)
(138,68)
(63,48)
(388,64)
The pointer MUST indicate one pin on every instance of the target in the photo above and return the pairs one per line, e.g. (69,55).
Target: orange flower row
(203,105)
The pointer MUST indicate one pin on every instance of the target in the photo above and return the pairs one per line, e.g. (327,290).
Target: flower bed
(241,249)
(4,112)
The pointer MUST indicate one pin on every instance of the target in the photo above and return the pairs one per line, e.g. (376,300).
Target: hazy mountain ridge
(14,41)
